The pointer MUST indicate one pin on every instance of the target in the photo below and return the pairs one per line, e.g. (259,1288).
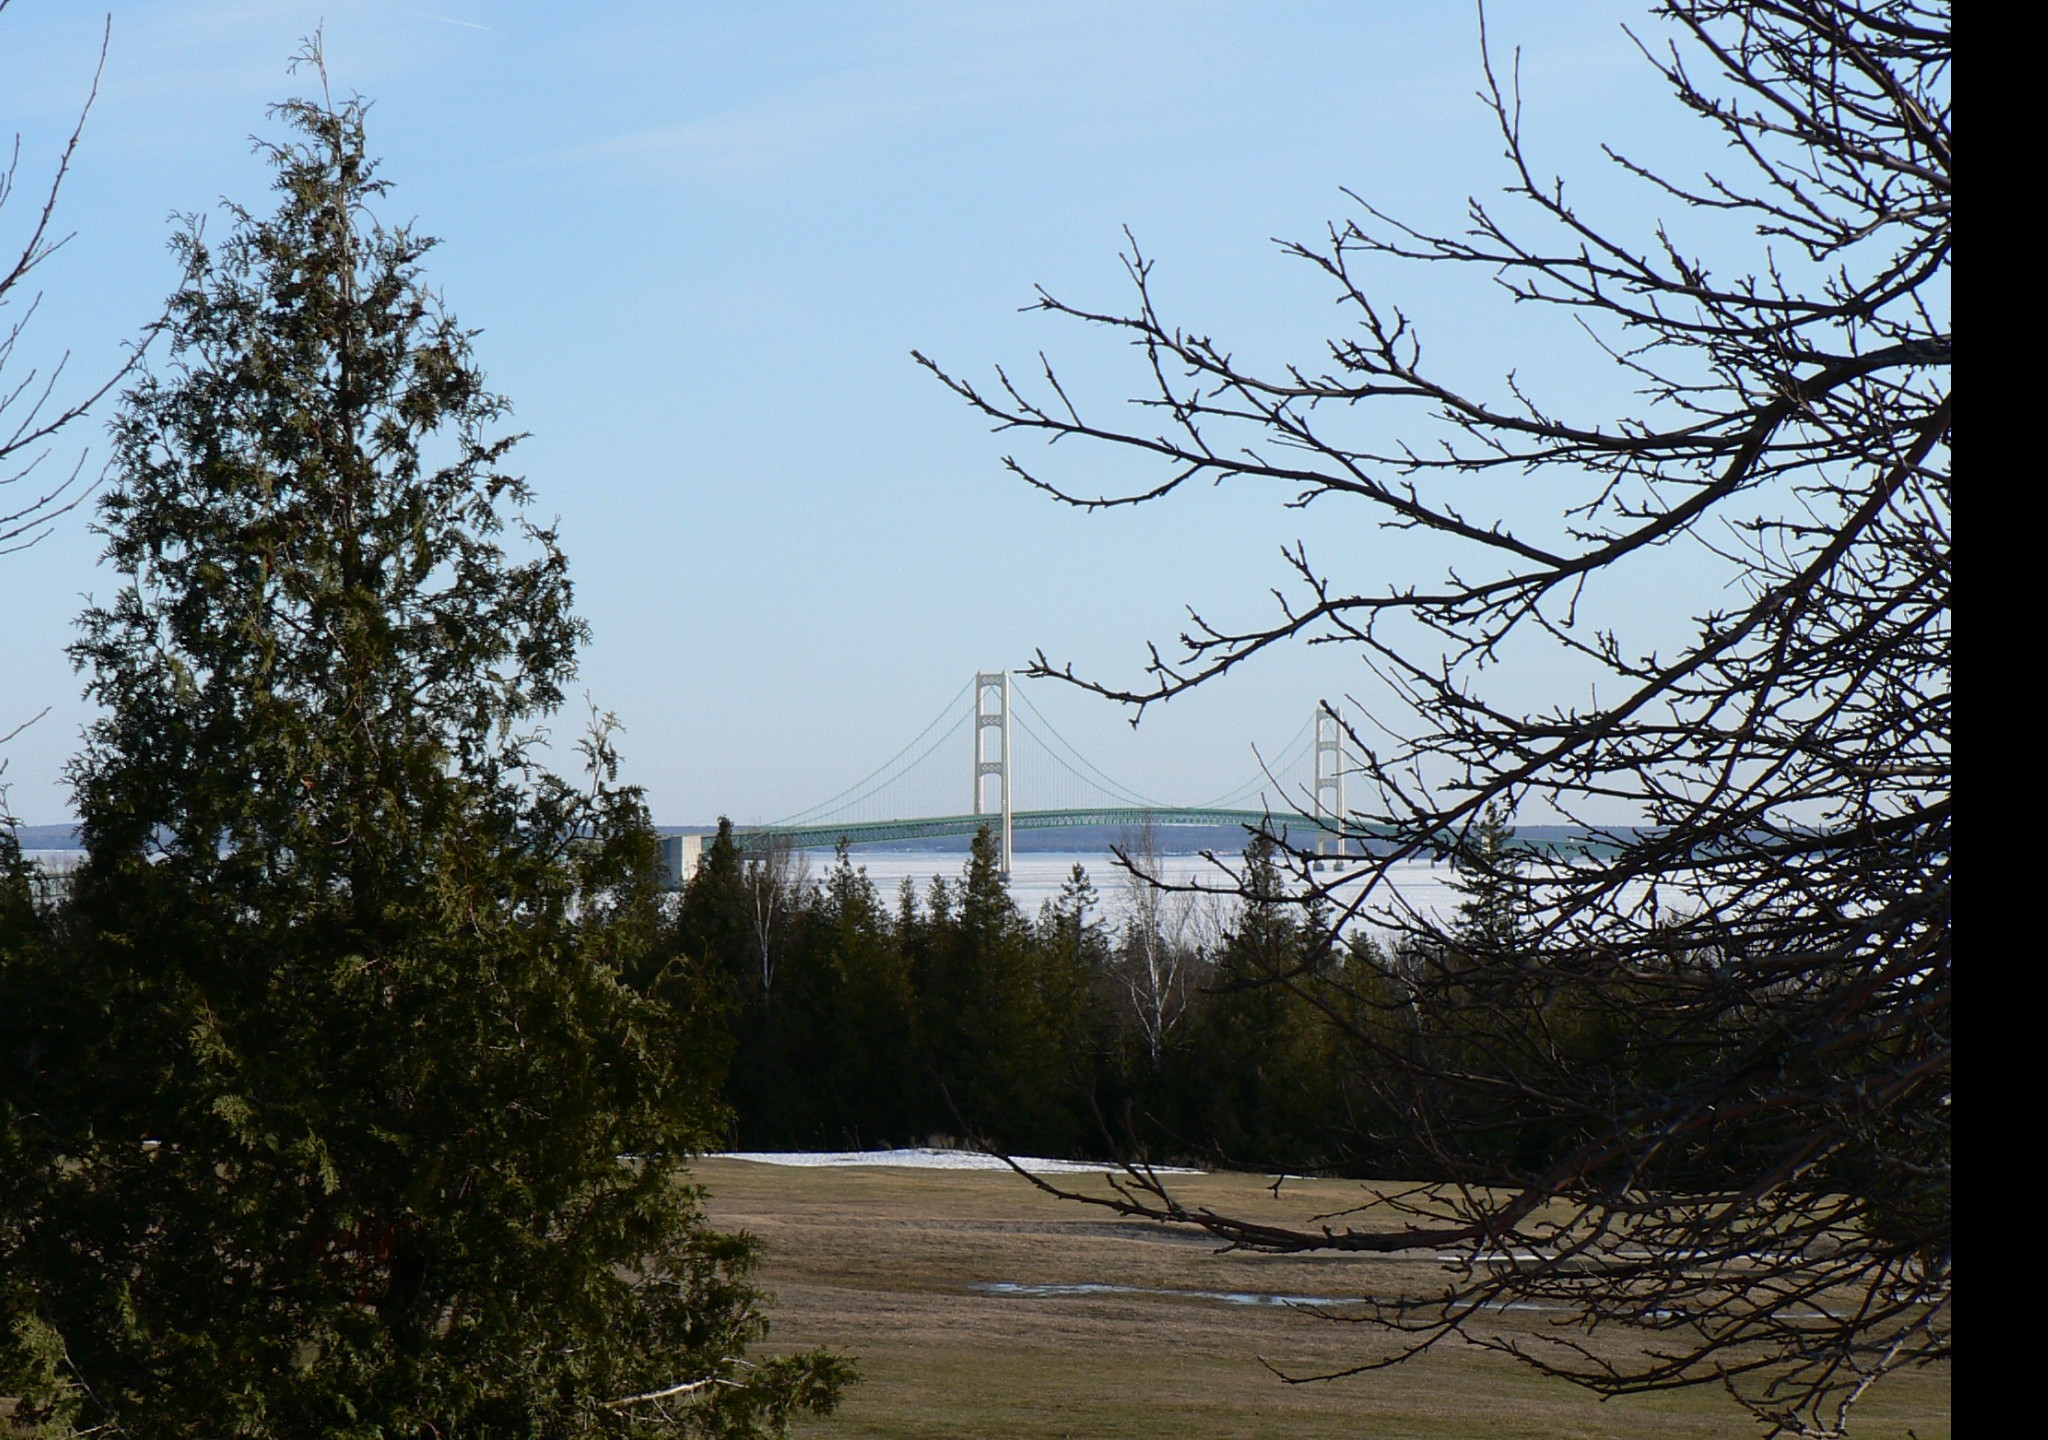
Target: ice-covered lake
(1036,876)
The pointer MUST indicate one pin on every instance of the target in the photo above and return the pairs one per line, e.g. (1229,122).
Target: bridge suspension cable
(1273,772)
(920,779)
(888,772)
(1100,780)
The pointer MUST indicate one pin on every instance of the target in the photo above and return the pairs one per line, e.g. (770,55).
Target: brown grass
(880,1263)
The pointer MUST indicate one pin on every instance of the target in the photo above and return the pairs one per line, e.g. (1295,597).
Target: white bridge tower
(1330,807)
(995,685)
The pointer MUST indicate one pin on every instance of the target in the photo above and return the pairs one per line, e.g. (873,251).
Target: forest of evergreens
(860,1019)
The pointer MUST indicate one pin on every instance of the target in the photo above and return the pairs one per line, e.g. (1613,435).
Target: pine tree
(711,922)
(31,1352)
(1488,869)
(872,1082)
(991,1031)
(1065,917)
(363,1075)
(1249,1073)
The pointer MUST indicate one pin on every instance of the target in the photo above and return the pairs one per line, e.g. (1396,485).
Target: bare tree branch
(1699,1087)
(31,412)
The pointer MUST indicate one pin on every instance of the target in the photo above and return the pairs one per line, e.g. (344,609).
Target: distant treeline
(858,1019)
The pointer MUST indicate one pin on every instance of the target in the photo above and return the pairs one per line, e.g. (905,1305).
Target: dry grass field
(894,1266)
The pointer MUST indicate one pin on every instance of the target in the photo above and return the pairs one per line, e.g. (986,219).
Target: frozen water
(1036,877)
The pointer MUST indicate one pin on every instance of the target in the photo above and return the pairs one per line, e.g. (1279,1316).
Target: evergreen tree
(1064,920)
(711,922)
(1248,1080)
(992,1037)
(871,1029)
(31,1352)
(358,1084)
(1488,867)
(746,918)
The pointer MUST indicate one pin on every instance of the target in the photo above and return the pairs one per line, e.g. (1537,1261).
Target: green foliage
(350,1087)
(1254,1074)
(994,1012)
(1488,870)
(862,1019)
(31,1352)
(958,1013)
(823,1036)
(1254,1039)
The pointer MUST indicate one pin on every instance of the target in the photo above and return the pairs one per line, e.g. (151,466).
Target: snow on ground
(925,1158)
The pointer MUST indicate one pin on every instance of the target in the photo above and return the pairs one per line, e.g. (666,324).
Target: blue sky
(700,242)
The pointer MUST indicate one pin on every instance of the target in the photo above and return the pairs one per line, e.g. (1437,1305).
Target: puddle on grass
(1223,1297)
(1020,1291)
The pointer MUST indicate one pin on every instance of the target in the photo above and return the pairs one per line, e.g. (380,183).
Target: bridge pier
(997,685)
(680,855)
(1330,805)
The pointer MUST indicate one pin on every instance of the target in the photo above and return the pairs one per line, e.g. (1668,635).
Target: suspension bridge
(1026,776)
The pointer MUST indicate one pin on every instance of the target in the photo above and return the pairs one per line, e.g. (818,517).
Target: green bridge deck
(820,837)
(680,853)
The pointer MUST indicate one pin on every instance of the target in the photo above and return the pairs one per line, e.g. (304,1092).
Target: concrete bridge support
(1331,808)
(994,686)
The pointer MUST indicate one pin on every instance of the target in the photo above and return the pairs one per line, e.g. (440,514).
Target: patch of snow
(925,1158)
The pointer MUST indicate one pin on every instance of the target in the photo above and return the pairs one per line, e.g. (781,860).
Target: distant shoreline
(49,837)
(1080,839)
(1170,840)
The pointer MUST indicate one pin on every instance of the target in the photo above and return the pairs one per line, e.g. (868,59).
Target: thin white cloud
(749,140)
(936,68)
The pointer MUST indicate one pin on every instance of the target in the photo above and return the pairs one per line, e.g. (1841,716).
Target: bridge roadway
(820,837)
(681,852)
(826,836)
